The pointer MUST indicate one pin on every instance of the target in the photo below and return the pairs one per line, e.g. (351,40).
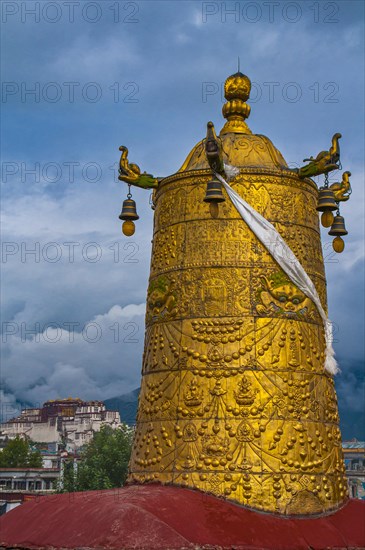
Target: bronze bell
(326,200)
(214,192)
(338,228)
(129,211)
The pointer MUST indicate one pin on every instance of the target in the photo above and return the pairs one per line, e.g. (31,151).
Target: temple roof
(156,517)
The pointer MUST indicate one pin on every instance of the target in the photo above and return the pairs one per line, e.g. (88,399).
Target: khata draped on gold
(235,399)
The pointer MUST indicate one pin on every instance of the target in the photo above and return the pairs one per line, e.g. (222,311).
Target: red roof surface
(162,517)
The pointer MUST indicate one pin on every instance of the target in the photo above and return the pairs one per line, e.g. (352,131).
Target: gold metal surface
(234,398)
(342,190)
(240,150)
(131,173)
(327,218)
(128,228)
(338,245)
(237,91)
(324,162)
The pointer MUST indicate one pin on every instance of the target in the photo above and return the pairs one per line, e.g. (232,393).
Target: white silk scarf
(288,262)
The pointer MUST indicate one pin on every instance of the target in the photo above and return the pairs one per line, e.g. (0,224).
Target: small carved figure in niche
(214,297)
(161,297)
(131,173)
(244,432)
(324,162)
(245,395)
(280,297)
(192,395)
(190,433)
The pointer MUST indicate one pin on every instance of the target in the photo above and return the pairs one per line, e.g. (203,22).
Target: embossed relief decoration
(166,251)
(161,298)
(289,199)
(170,206)
(305,244)
(234,400)
(276,296)
(245,150)
(240,433)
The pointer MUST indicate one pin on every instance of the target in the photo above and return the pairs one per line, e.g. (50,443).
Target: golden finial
(237,89)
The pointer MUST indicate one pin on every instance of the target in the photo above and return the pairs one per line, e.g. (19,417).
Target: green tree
(18,454)
(67,483)
(103,463)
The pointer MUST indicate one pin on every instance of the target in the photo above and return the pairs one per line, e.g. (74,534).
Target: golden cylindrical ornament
(234,399)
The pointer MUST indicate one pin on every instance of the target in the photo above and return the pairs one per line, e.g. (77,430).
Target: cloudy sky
(80,79)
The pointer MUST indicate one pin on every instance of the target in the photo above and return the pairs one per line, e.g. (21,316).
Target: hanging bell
(326,200)
(129,211)
(214,192)
(338,228)
(128,214)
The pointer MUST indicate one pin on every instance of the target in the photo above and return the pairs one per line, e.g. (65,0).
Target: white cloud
(196,18)
(96,360)
(182,38)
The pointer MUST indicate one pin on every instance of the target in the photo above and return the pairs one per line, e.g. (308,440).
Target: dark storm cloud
(159,78)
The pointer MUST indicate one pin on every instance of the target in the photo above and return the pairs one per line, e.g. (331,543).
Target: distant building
(68,422)
(60,428)
(354,455)
(17,485)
